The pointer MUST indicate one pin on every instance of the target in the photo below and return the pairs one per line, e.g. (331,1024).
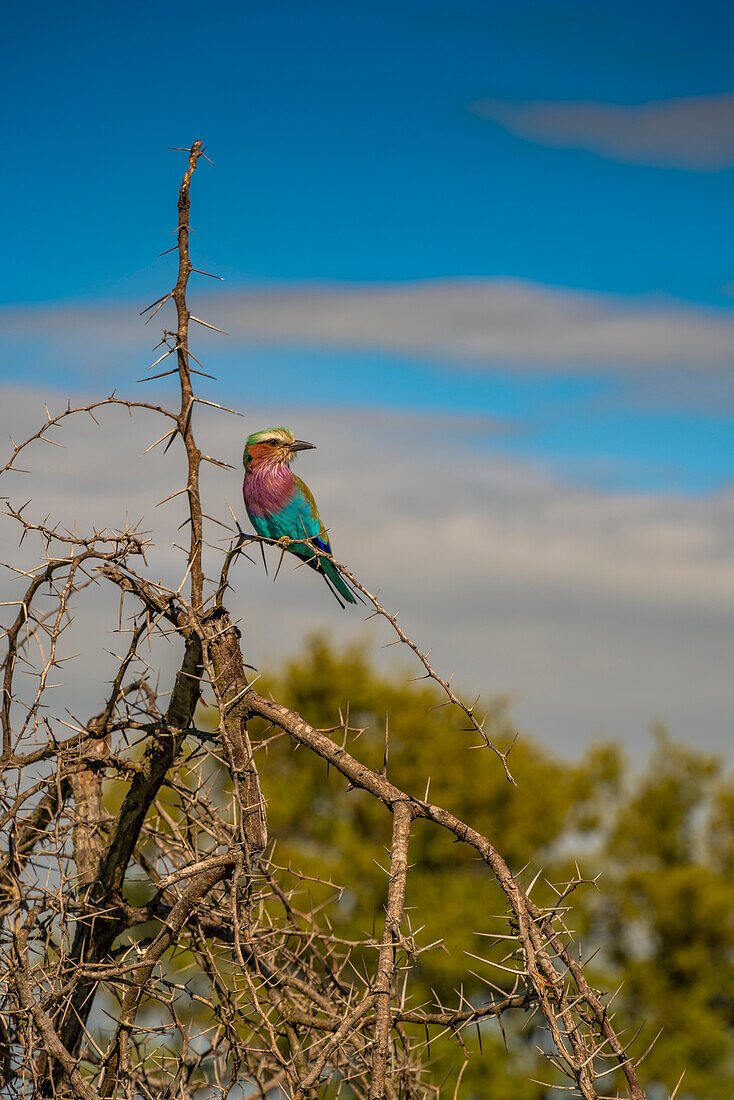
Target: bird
(280,504)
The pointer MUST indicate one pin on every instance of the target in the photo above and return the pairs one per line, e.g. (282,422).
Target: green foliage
(666,914)
(659,840)
(662,841)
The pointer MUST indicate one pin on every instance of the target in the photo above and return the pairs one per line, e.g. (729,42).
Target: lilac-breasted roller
(280,504)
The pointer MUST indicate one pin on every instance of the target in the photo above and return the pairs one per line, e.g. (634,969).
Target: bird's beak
(300,445)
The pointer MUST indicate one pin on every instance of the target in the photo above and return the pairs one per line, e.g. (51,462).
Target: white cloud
(695,132)
(598,612)
(481,322)
(485,321)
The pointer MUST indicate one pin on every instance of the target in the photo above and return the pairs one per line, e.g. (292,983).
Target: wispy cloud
(598,612)
(479,322)
(695,132)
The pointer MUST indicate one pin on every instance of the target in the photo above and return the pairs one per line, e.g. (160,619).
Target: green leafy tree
(660,845)
(665,914)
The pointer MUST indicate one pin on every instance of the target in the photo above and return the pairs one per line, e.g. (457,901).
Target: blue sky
(349,148)
(346,147)
(481,253)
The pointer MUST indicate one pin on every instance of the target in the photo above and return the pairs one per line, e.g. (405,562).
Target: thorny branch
(477,724)
(150,944)
(185,425)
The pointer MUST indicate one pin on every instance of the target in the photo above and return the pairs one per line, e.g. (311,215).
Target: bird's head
(273,445)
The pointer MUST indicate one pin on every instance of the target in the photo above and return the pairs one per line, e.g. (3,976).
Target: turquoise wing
(300,519)
(317,534)
(304,519)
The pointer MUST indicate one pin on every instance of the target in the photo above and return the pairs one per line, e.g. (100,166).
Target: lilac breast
(268,487)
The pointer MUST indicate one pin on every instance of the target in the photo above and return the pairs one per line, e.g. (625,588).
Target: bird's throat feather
(269,487)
